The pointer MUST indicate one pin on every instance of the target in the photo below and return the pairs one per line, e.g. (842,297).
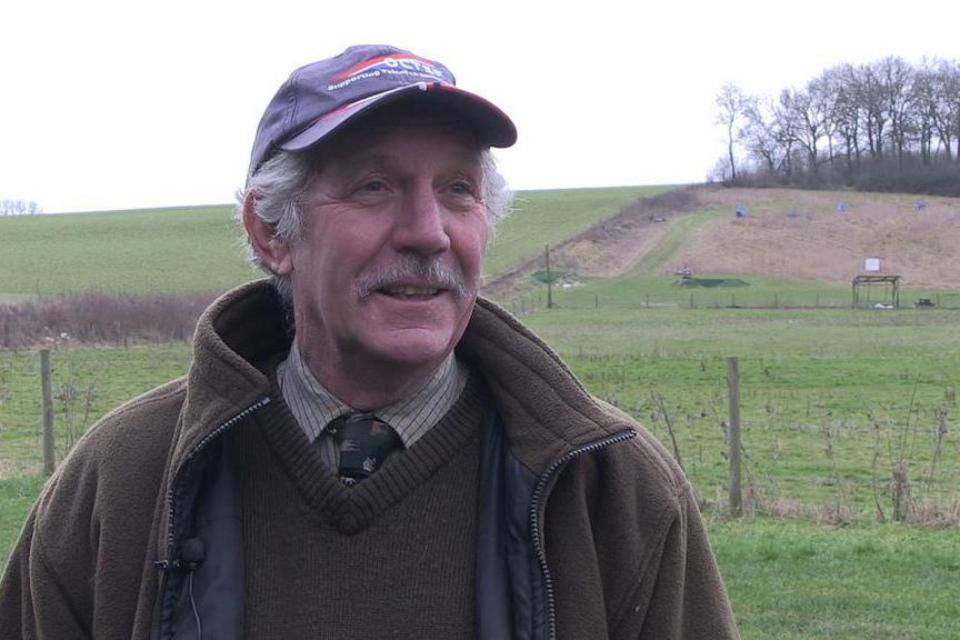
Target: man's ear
(273,252)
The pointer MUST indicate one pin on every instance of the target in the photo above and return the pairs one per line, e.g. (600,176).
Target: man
(363,448)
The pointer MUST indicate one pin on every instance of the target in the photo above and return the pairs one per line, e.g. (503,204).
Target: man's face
(387,269)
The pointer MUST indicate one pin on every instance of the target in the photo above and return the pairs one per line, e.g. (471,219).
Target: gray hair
(278,187)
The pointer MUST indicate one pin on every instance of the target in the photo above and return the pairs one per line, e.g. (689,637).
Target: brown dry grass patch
(799,234)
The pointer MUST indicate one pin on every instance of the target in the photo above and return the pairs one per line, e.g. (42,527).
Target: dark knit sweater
(391,557)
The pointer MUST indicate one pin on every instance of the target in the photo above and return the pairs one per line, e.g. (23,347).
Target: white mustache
(410,269)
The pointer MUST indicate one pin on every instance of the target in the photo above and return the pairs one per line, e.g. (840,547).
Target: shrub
(98,318)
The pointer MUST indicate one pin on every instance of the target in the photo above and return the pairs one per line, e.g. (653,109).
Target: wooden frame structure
(868,283)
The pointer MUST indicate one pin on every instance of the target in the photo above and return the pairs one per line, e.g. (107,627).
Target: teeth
(411,291)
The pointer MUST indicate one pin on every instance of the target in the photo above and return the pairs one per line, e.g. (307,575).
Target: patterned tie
(365,442)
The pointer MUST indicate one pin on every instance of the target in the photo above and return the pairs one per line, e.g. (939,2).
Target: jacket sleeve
(33,604)
(680,595)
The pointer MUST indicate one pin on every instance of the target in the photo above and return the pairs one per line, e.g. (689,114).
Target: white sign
(871,264)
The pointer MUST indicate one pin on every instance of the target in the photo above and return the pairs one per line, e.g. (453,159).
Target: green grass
(149,251)
(793,581)
(113,375)
(677,231)
(109,375)
(645,290)
(17,495)
(831,400)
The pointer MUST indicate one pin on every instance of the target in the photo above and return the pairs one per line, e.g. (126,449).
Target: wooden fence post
(546,253)
(49,433)
(733,387)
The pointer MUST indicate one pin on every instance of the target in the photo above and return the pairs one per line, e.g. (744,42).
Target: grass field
(17,495)
(102,379)
(833,402)
(797,581)
(149,251)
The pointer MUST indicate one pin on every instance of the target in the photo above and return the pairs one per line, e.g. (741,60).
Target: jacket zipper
(174,563)
(535,525)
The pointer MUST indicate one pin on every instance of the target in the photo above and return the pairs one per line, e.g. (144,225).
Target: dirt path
(610,248)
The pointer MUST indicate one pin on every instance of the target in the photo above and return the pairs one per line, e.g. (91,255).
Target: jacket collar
(237,339)
(546,411)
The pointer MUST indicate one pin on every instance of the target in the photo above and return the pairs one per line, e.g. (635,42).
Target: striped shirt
(315,407)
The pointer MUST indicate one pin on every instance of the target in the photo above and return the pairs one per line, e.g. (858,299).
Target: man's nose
(421,225)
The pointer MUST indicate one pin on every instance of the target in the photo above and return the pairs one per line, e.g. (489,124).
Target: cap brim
(491,125)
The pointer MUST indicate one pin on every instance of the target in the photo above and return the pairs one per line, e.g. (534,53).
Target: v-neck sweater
(391,556)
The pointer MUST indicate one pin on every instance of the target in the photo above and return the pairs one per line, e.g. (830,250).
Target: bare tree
(787,128)
(871,97)
(11,207)
(810,108)
(761,138)
(923,115)
(847,125)
(845,114)
(946,112)
(733,105)
(896,78)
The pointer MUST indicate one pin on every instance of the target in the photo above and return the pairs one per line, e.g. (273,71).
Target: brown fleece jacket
(623,539)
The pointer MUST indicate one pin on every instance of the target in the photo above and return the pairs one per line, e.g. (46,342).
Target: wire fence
(723,298)
(748,448)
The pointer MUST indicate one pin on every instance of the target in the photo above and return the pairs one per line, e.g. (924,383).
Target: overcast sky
(127,104)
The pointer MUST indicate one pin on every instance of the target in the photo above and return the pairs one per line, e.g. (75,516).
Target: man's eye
(462,188)
(373,186)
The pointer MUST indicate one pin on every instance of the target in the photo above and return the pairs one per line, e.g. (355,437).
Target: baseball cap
(320,98)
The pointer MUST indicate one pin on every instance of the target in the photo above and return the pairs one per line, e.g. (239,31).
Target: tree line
(884,126)
(10,207)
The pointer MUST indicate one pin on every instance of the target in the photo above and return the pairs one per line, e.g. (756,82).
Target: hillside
(787,235)
(803,235)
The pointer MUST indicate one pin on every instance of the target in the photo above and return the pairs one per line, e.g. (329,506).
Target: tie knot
(365,441)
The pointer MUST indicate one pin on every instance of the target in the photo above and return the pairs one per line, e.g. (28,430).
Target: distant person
(363,448)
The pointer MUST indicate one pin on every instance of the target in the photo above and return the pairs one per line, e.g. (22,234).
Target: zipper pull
(191,557)
(168,565)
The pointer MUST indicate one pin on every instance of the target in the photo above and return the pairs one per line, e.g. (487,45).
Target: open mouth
(404,292)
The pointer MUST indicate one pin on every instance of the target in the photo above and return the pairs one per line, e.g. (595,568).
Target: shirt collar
(314,406)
